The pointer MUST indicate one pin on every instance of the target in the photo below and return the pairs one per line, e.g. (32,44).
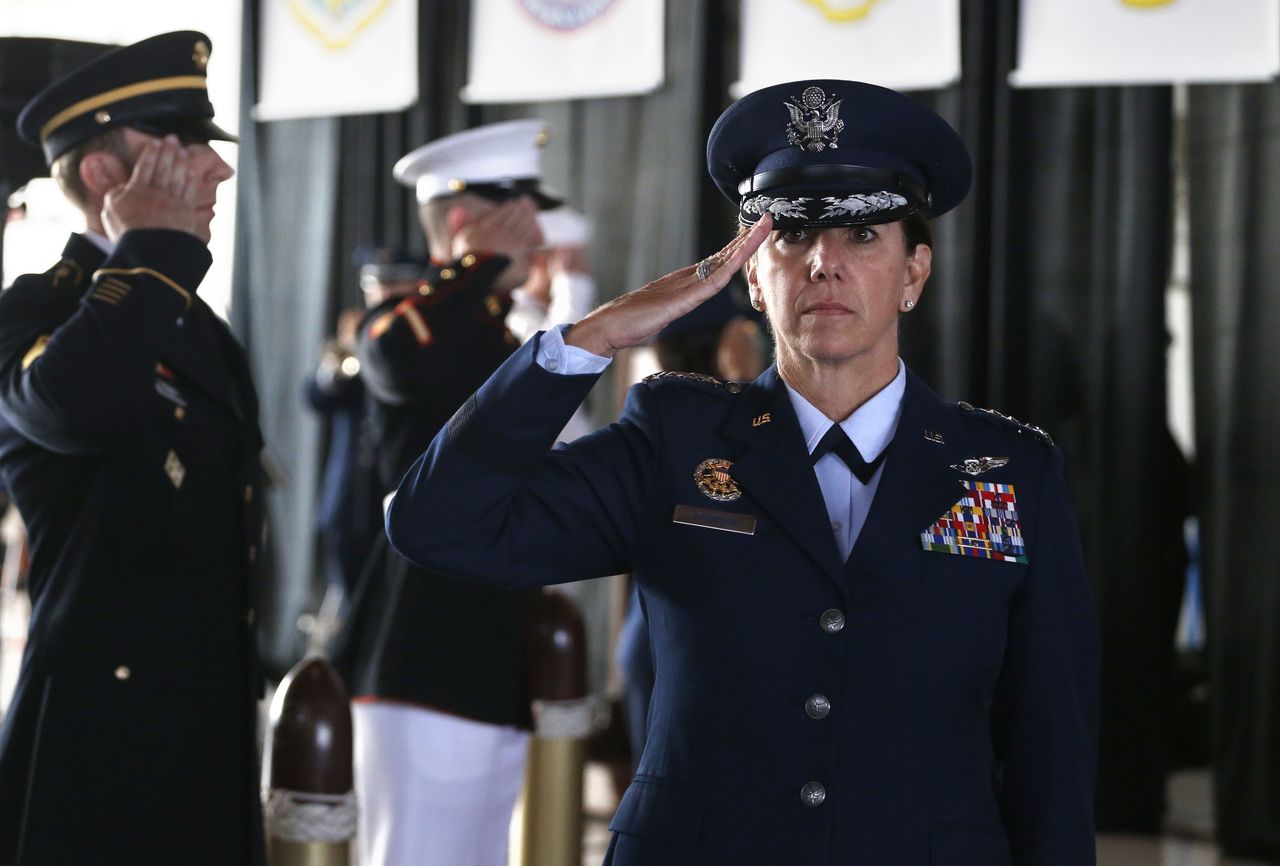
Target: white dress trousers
(434,789)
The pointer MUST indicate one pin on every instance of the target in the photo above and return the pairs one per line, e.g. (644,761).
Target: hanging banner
(537,50)
(326,57)
(903,44)
(1146,41)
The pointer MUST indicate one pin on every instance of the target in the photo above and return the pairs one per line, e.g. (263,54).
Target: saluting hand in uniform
(163,192)
(509,229)
(633,318)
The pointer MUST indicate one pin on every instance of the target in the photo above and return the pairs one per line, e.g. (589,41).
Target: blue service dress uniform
(129,441)
(414,635)
(903,708)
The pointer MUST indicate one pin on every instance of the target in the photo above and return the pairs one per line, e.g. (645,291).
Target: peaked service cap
(498,161)
(827,152)
(157,86)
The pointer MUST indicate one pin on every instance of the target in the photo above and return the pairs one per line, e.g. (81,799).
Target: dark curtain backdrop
(1047,302)
(1233,156)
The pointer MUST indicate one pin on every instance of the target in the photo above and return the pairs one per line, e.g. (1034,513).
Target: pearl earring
(909,304)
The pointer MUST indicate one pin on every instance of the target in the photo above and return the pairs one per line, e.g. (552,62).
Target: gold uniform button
(248,493)
(426,290)
(493,305)
(123,673)
(448,274)
(179,413)
(102,118)
(457,185)
(468,260)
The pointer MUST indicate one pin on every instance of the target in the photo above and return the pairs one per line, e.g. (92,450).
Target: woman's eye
(863,234)
(794,236)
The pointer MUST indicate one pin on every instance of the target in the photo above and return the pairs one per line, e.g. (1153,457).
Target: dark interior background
(1047,302)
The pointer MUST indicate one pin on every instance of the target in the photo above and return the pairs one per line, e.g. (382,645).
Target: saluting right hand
(510,230)
(633,318)
(159,193)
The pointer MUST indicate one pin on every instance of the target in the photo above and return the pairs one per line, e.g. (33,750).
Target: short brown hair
(66,168)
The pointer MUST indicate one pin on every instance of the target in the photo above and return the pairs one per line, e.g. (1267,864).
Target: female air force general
(872,634)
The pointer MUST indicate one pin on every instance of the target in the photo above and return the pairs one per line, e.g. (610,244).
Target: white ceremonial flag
(1146,41)
(538,50)
(326,57)
(903,44)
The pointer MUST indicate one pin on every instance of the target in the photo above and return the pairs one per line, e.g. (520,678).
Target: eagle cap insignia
(713,479)
(815,120)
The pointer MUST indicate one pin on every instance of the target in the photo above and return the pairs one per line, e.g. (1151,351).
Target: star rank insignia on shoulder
(697,378)
(1003,420)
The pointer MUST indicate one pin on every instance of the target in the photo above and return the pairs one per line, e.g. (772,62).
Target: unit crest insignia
(713,479)
(815,122)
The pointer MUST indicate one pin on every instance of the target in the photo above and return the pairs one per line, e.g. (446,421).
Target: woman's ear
(919,266)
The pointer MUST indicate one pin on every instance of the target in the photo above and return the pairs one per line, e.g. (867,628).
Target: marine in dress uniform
(871,628)
(129,442)
(441,705)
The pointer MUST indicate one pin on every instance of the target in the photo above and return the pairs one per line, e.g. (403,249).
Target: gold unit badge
(713,479)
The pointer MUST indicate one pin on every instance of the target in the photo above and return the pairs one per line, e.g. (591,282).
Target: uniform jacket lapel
(918,484)
(198,351)
(775,470)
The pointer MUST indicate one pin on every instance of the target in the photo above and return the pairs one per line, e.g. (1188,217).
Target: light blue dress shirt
(871,428)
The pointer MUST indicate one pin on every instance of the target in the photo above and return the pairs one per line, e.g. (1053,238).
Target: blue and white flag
(538,50)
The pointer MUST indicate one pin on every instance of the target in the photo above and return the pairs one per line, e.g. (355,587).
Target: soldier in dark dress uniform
(436,665)
(871,628)
(129,442)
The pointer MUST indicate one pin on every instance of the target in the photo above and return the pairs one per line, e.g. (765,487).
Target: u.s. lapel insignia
(713,479)
(815,122)
(174,469)
(761,420)
(978,465)
(935,438)
(983,523)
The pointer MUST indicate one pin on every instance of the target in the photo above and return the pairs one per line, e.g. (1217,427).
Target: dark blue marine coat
(961,691)
(129,442)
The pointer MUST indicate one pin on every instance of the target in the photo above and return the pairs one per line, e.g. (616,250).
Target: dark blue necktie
(836,440)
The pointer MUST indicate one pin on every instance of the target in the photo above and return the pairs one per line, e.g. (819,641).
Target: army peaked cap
(157,86)
(826,152)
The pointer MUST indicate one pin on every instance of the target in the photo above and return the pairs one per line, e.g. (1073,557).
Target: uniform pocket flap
(661,810)
(969,845)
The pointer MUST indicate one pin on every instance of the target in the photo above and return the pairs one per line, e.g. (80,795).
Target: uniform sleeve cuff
(555,356)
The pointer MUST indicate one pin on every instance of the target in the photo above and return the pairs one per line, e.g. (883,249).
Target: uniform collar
(100,241)
(871,426)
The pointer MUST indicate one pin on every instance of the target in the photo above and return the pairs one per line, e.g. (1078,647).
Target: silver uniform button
(817,706)
(831,621)
(812,794)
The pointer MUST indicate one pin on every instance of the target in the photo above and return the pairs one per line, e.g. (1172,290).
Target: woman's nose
(826,258)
